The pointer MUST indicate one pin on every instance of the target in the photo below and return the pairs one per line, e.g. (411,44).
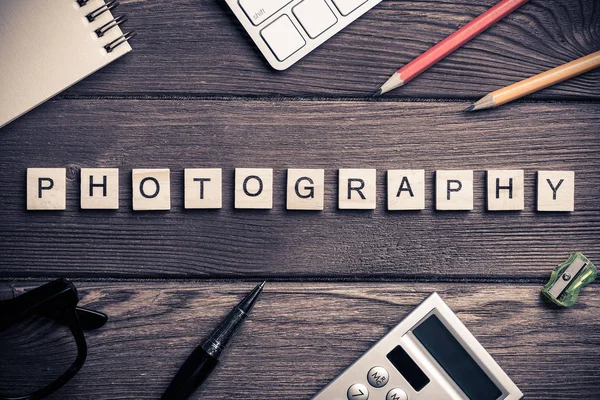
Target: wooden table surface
(195,93)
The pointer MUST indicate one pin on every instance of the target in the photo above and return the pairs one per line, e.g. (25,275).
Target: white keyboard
(287,30)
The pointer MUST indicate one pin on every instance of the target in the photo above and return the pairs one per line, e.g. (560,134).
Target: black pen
(205,357)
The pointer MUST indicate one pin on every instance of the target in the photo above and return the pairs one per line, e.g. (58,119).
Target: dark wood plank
(280,243)
(198,47)
(301,335)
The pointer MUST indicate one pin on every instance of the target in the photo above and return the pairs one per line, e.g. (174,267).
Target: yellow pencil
(537,82)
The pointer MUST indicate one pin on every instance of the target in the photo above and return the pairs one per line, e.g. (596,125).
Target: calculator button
(396,394)
(283,38)
(358,391)
(259,10)
(378,377)
(347,6)
(315,16)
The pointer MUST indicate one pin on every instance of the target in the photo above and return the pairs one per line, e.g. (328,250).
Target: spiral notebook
(48,45)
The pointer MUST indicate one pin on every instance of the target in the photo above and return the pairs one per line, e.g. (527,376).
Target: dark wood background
(196,93)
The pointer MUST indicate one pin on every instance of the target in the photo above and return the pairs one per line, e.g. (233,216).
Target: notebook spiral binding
(117,21)
(111,24)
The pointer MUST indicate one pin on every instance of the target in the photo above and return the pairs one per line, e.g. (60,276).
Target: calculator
(287,30)
(429,355)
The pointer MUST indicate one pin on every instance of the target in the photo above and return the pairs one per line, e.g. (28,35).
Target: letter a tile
(406,189)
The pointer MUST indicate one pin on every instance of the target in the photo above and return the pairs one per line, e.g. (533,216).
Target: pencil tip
(377,93)
(484,103)
(393,82)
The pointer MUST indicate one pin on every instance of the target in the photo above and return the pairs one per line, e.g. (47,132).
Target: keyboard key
(260,10)
(315,16)
(282,37)
(347,6)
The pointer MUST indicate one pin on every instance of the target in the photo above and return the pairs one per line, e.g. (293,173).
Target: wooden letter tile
(46,188)
(203,187)
(454,190)
(254,188)
(406,189)
(100,188)
(305,189)
(357,189)
(151,189)
(505,190)
(556,191)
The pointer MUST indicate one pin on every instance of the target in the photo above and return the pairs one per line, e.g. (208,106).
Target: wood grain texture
(195,93)
(301,335)
(197,47)
(304,134)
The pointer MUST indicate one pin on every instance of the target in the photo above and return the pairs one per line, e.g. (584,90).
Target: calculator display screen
(408,368)
(455,360)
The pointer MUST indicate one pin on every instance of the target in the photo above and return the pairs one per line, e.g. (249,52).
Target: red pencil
(448,45)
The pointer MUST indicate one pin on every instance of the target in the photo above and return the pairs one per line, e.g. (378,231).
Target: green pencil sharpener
(568,279)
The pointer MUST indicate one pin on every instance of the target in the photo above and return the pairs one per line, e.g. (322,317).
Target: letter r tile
(357,189)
